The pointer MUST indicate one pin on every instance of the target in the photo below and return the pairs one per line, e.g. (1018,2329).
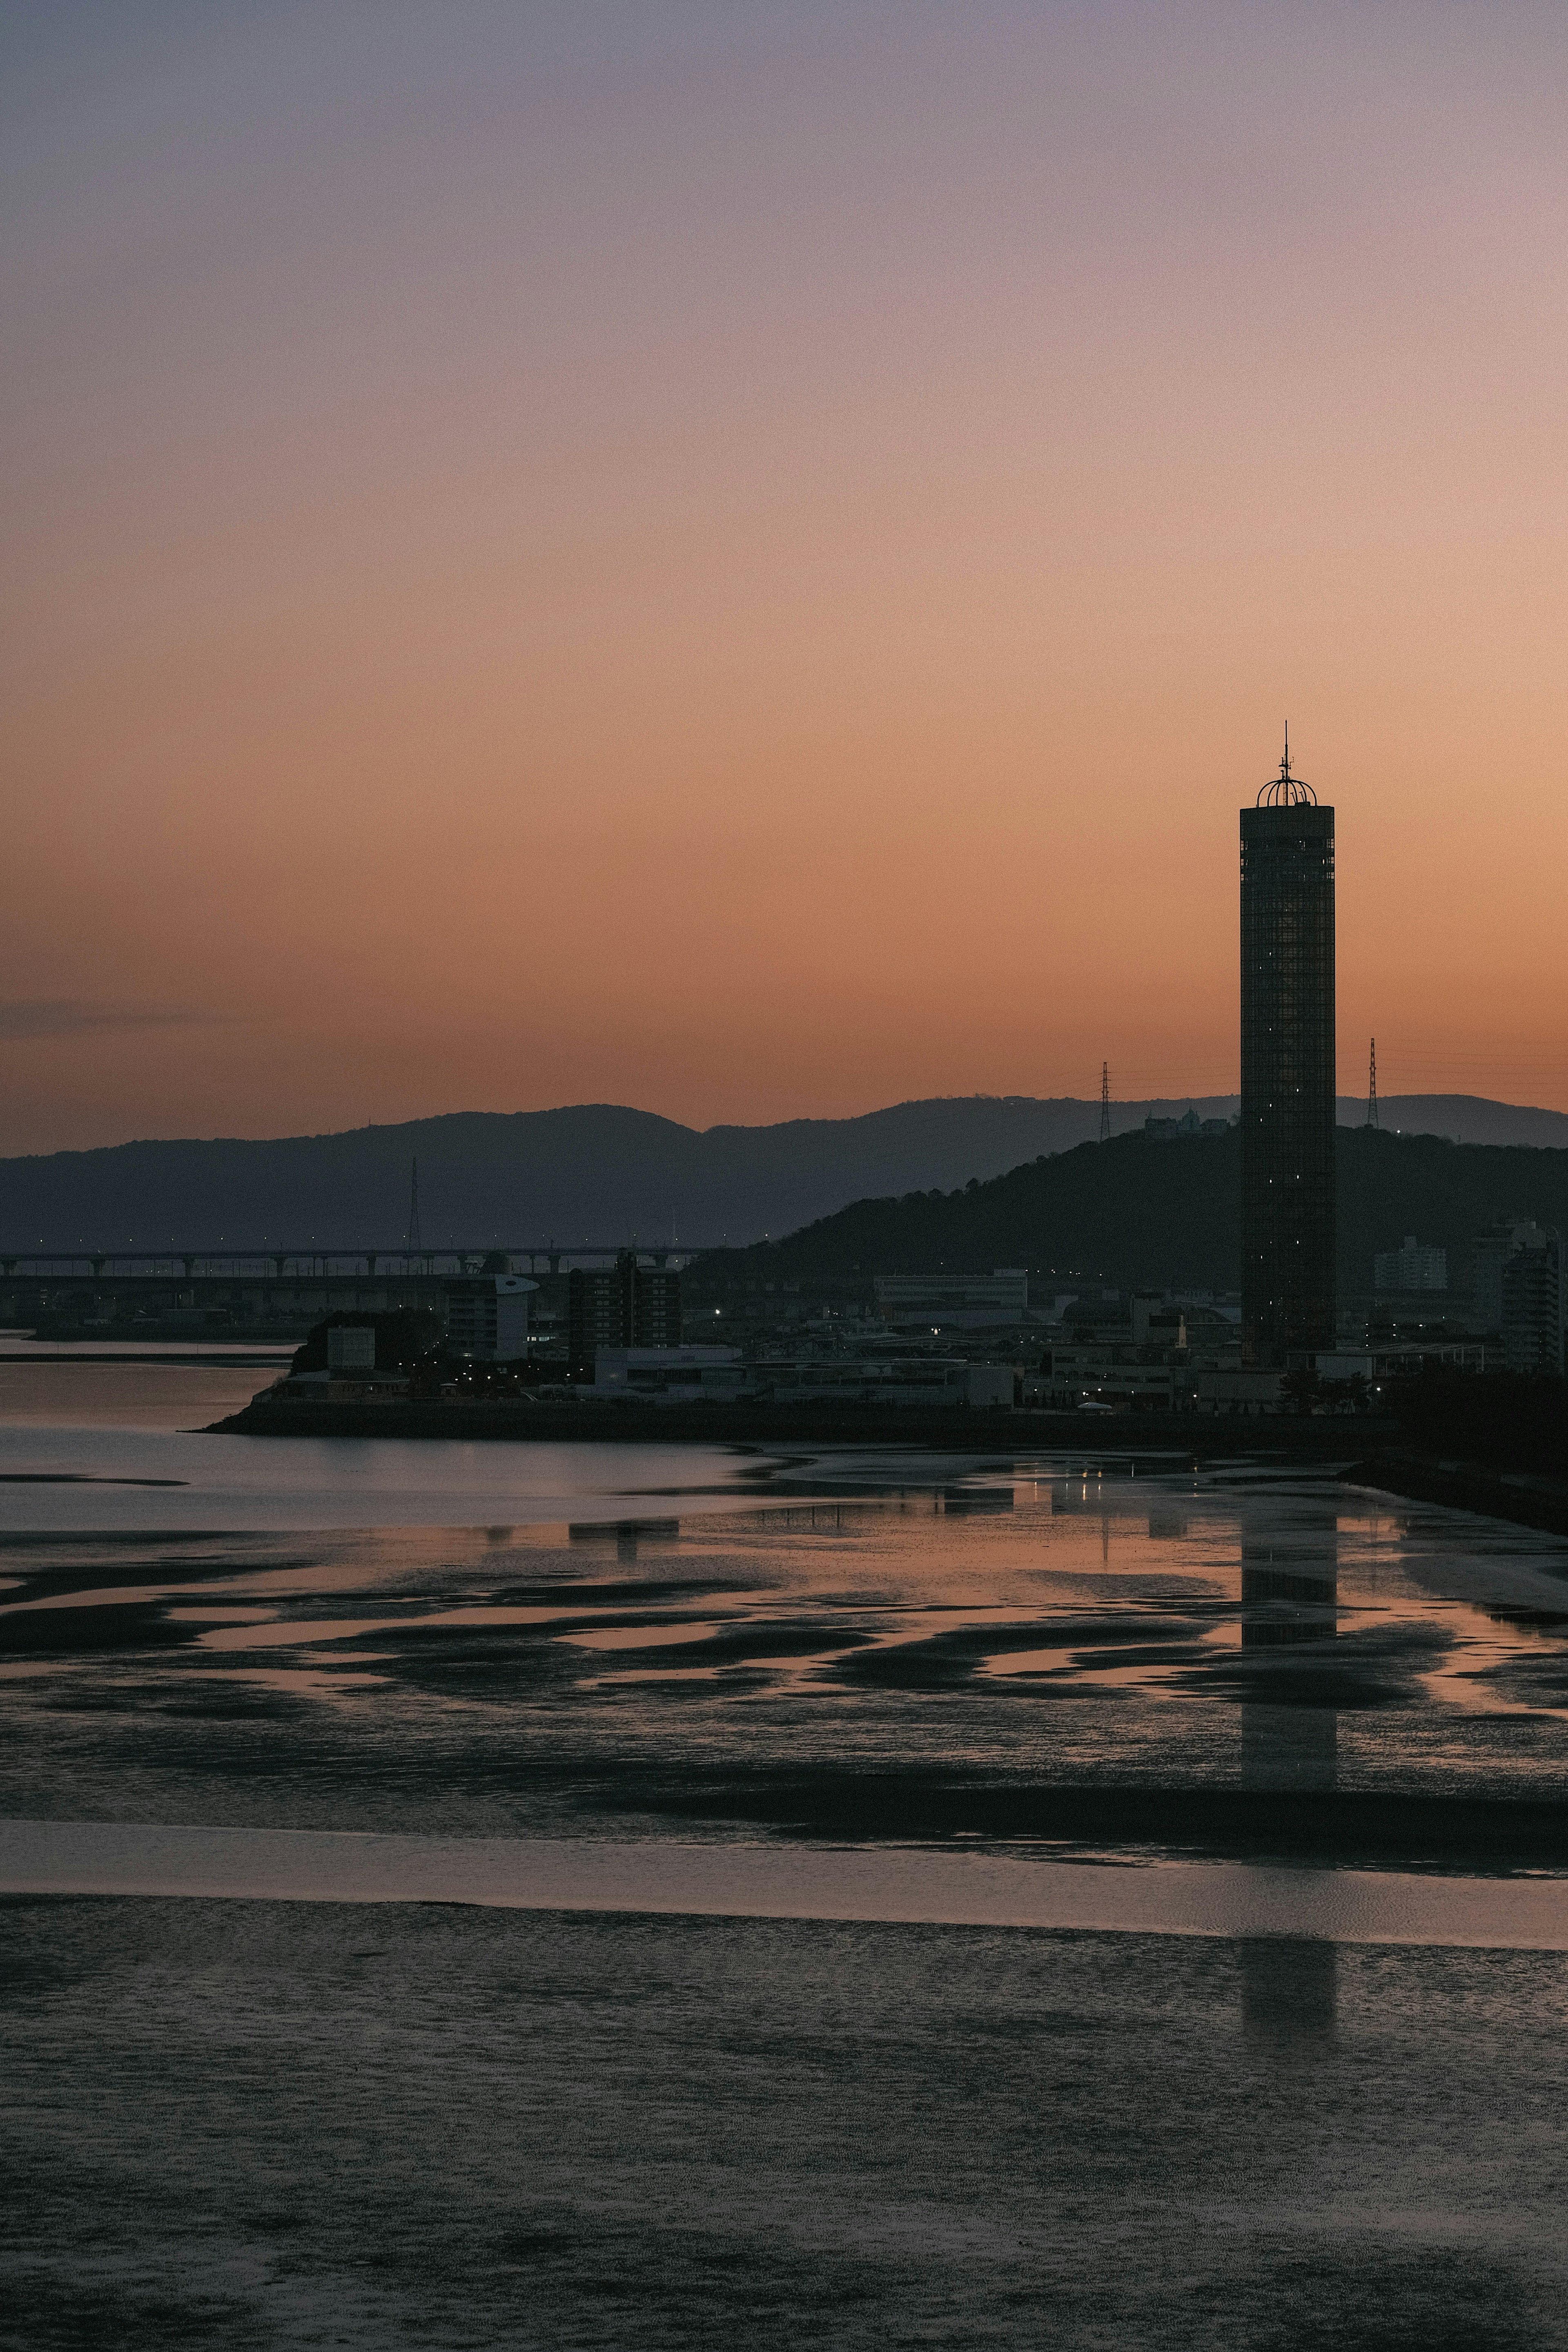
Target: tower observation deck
(1288,1084)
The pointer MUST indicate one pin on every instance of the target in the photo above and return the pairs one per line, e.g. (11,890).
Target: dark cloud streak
(29,1018)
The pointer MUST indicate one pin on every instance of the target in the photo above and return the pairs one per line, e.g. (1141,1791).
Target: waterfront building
(487,1316)
(1288,1087)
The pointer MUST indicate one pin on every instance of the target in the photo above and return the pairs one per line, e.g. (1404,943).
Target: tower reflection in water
(1289,1743)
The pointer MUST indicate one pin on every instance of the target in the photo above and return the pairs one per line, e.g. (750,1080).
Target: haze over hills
(595,1172)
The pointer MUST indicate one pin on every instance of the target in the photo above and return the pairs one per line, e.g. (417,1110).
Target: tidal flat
(302,2124)
(236,2118)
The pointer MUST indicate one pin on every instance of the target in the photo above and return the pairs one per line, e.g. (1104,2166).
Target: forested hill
(1140,1214)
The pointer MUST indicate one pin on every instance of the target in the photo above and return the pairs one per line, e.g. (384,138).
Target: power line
(415,1243)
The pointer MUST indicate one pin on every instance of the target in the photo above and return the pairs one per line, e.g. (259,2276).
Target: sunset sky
(742,559)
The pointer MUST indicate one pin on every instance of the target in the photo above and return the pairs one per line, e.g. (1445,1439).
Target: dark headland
(764,1424)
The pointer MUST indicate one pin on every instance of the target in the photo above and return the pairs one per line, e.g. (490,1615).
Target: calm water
(847,1694)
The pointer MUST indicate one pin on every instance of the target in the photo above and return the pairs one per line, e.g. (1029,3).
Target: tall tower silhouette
(1288,1273)
(1105,1102)
(1372,1119)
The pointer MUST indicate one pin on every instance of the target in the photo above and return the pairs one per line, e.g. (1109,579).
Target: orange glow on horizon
(749,573)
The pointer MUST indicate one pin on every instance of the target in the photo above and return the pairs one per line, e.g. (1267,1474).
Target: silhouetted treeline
(1138,1213)
(1512,1420)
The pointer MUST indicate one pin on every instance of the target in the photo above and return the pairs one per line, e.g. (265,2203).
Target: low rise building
(938,1384)
(1401,1358)
(682,1375)
(342,1388)
(1181,1131)
(1238,1389)
(1118,1378)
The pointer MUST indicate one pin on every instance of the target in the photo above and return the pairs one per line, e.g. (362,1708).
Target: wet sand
(277,2125)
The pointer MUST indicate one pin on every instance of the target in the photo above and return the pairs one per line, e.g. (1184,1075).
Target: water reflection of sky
(1100,1655)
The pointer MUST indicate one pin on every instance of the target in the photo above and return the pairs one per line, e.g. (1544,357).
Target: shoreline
(961,1432)
(1524,1498)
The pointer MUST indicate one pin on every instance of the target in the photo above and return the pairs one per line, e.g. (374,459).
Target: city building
(1534,1301)
(1157,1322)
(1411,1266)
(1287,1073)
(628,1305)
(487,1316)
(1489,1252)
(969,1301)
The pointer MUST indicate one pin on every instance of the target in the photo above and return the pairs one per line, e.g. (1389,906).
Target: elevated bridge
(258,1292)
(450,1258)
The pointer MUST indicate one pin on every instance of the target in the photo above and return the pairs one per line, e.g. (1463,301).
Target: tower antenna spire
(1105,1102)
(1372,1085)
(1286,791)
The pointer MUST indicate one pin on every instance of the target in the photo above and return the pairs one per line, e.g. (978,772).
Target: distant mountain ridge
(595,1171)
